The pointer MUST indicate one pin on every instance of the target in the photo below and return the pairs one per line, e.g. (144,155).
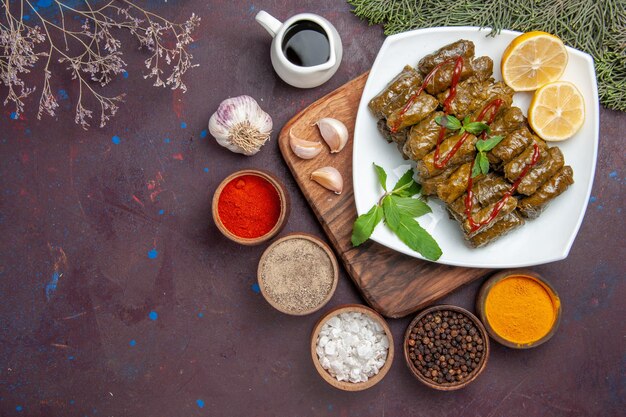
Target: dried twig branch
(92,52)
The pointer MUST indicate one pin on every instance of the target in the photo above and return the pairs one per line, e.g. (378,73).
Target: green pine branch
(597,27)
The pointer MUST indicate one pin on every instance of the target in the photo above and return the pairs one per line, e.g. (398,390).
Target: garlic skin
(334,132)
(303,148)
(328,177)
(240,125)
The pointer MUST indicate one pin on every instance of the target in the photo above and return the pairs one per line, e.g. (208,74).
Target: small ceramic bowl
(453,385)
(346,385)
(285,207)
(333,263)
(488,285)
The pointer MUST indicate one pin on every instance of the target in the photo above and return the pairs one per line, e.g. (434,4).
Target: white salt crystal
(352,347)
(334,322)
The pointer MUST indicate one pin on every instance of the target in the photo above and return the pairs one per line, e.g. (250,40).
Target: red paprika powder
(249,206)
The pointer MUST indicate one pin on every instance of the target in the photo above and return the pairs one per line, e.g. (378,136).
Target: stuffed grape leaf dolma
(511,146)
(430,185)
(418,109)
(400,87)
(426,167)
(542,172)
(461,47)
(471,93)
(509,120)
(514,168)
(509,222)
(532,206)
(490,189)
(484,214)
(456,184)
(422,137)
(480,68)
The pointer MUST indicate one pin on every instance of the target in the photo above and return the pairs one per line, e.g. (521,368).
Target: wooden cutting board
(392,283)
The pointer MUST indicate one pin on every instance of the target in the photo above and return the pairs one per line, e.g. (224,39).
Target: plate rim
(554,256)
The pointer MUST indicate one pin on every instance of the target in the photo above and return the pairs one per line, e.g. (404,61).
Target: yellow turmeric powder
(520,309)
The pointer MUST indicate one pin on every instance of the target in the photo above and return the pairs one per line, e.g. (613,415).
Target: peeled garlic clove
(328,177)
(303,148)
(334,132)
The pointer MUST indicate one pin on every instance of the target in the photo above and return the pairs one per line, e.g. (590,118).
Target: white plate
(545,239)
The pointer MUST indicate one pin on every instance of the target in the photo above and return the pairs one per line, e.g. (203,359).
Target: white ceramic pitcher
(296,75)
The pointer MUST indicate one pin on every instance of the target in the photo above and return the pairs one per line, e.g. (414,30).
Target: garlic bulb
(334,132)
(240,125)
(303,148)
(328,177)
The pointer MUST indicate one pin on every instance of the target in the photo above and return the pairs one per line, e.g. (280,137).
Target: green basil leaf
(412,207)
(449,122)
(365,224)
(406,178)
(489,143)
(409,231)
(476,166)
(382,176)
(484,162)
(476,128)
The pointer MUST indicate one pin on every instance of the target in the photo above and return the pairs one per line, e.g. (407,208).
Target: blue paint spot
(613,174)
(116,140)
(161,212)
(72,402)
(600,207)
(183,125)
(153,253)
(44,3)
(27,131)
(132,342)
(14,115)
(166,140)
(330,407)
(19,408)
(200,403)
(256,288)
(206,169)
(63,95)
(125,74)
(52,285)
(200,315)
(153,315)
(252,7)
(71,358)
(592,199)
(26,17)
(203,134)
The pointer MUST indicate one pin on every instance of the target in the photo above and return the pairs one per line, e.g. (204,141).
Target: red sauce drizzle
(474,226)
(427,80)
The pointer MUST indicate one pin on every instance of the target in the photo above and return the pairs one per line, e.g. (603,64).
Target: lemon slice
(532,60)
(557,111)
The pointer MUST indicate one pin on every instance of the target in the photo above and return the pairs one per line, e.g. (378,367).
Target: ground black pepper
(445,347)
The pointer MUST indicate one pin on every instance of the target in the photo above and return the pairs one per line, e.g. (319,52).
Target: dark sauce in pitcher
(306,44)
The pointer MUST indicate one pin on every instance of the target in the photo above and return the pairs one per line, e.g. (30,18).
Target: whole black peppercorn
(448,349)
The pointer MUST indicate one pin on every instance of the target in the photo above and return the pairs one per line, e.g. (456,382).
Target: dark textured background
(97,235)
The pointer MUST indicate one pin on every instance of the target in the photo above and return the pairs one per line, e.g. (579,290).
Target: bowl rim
(318,242)
(345,385)
(481,299)
(448,386)
(285,206)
